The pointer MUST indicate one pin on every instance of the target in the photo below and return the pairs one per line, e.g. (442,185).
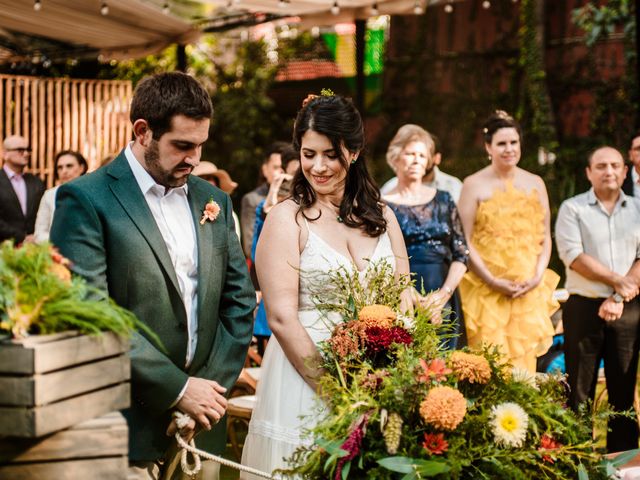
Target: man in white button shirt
(598,239)
(162,243)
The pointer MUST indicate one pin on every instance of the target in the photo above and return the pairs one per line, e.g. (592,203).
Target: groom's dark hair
(158,98)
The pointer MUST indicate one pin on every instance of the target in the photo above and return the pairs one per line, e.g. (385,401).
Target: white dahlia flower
(509,424)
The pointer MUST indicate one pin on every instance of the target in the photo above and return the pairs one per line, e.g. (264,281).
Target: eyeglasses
(21,150)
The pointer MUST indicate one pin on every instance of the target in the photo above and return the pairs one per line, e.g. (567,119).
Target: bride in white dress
(335,218)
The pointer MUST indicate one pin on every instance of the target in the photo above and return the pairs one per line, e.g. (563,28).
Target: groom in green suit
(162,244)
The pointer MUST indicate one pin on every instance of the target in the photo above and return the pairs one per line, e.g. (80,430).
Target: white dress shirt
(44,218)
(170,209)
(441,181)
(636,182)
(584,226)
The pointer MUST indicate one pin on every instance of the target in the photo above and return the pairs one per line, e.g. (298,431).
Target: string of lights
(374,10)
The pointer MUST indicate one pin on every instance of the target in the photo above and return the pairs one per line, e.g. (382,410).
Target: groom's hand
(203,400)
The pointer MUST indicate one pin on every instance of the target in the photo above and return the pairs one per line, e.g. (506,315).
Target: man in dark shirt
(20,192)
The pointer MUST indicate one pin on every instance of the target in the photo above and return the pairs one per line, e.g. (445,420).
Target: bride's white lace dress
(286,405)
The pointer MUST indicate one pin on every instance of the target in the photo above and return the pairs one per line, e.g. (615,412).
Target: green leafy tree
(245,122)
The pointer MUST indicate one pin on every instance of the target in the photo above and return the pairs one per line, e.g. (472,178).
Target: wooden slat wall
(91,116)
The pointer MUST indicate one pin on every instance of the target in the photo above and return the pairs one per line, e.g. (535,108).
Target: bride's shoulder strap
(306,223)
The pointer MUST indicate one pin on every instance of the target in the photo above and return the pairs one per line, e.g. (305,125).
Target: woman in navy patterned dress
(431,228)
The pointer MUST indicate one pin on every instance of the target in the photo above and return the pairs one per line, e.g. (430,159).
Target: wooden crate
(95,449)
(52,382)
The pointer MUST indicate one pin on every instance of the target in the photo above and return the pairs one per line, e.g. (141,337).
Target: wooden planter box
(52,382)
(95,449)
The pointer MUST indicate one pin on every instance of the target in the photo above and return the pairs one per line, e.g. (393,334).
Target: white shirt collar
(634,174)
(146,181)
(592,199)
(10,173)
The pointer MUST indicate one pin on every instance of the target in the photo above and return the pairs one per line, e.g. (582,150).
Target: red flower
(436,370)
(353,443)
(379,339)
(435,444)
(547,443)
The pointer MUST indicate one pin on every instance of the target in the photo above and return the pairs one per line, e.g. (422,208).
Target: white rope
(182,419)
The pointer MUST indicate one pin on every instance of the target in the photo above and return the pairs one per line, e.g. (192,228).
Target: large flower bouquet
(39,295)
(398,407)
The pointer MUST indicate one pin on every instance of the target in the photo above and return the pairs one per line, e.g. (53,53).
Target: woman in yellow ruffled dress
(507,296)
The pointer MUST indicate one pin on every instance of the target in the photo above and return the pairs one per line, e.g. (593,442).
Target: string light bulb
(166,9)
(335,8)
(486,4)
(37,5)
(374,10)
(448,8)
(104,9)
(417,8)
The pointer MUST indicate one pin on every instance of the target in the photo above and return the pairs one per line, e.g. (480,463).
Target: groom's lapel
(210,235)
(128,193)
(207,235)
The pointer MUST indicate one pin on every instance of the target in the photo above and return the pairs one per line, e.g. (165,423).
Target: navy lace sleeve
(432,232)
(459,249)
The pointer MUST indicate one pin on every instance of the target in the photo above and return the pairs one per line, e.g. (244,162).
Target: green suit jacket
(103,224)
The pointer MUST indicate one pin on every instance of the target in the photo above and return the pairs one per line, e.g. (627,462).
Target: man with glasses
(631,185)
(20,192)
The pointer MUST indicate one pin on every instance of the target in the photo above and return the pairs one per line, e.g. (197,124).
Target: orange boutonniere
(210,212)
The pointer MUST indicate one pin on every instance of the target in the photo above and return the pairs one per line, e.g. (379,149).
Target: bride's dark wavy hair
(338,119)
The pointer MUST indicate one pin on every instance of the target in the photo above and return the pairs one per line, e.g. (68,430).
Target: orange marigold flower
(467,366)
(377,316)
(444,408)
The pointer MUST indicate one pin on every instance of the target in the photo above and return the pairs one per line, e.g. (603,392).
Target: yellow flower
(444,408)
(467,366)
(377,316)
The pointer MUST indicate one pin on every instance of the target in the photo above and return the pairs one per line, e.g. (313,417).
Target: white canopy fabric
(132,28)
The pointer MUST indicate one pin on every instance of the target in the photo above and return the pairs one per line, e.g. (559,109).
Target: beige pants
(168,468)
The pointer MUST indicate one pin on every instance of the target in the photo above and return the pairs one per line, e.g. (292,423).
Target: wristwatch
(617,297)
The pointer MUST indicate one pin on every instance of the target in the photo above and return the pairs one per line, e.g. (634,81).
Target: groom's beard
(166,178)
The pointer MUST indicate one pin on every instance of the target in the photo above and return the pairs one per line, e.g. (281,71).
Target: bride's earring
(353,159)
